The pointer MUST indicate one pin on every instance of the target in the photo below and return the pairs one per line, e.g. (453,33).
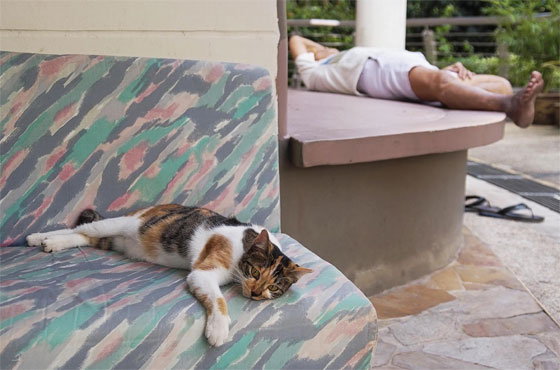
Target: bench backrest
(118,133)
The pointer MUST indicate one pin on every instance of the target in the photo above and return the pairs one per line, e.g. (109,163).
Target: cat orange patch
(150,240)
(216,253)
(204,300)
(91,241)
(206,212)
(138,211)
(151,237)
(101,243)
(267,273)
(222,306)
(159,211)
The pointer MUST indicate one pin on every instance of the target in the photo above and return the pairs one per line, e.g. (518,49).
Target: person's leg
(437,85)
(492,83)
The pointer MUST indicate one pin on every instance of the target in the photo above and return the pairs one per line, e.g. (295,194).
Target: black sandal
(474,203)
(510,213)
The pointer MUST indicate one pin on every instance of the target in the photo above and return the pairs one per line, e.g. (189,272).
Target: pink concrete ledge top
(335,129)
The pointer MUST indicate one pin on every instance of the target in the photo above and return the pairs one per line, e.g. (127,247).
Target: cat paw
(54,243)
(35,240)
(217,329)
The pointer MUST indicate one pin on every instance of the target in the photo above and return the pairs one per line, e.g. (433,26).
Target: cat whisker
(237,276)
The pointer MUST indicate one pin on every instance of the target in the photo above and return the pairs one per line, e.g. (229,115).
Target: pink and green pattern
(92,309)
(118,133)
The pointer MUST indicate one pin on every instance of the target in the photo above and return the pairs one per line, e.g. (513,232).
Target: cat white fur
(126,239)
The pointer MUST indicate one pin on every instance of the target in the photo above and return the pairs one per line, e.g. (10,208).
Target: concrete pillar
(430,46)
(503,55)
(381,23)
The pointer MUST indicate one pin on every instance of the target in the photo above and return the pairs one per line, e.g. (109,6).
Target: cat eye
(272,288)
(255,273)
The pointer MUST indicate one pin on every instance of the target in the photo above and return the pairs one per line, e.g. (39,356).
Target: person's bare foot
(522,104)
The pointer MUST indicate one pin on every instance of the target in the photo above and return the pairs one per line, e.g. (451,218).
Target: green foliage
(467,47)
(339,37)
(437,8)
(535,41)
(445,48)
(322,9)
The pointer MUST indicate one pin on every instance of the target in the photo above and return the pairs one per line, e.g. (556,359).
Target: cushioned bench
(117,134)
(384,180)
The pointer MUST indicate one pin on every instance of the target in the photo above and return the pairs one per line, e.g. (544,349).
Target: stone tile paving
(473,314)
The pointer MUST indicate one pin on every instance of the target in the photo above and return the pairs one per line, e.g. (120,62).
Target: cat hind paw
(217,329)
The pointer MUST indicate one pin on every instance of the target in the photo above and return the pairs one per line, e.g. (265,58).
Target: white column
(381,23)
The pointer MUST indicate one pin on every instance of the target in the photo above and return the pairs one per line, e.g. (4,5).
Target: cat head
(266,272)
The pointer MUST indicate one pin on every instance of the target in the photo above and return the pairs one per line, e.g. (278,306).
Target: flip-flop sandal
(511,213)
(474,203)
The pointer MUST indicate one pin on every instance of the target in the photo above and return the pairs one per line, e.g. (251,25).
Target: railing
(412,22)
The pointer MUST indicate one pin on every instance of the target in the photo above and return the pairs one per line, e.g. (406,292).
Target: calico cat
(217,250)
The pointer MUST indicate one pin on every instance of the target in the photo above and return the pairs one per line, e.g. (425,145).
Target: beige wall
(244,31)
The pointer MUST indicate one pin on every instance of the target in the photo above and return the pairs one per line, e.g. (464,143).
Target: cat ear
(298,271)
(262,240)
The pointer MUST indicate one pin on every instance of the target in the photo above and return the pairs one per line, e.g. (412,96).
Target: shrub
(534,40)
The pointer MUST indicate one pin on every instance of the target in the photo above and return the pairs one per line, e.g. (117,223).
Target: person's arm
(299,45)
(460,69)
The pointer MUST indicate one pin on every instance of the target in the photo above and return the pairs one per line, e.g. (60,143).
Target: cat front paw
(217,329)
(56,243)
(50,245)
(35,240)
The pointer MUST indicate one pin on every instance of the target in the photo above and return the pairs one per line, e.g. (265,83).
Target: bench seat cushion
(88,308)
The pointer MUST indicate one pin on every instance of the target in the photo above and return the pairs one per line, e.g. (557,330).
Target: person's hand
(461,70)
(325,52)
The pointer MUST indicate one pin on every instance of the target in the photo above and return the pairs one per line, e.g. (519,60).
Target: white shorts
(386,77)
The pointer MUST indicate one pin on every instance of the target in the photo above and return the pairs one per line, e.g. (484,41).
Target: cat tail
(88,216)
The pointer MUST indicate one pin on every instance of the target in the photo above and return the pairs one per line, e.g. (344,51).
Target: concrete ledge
(377,187)
(335,129)
(381,223)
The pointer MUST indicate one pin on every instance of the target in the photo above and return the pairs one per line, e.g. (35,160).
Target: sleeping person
(400,74)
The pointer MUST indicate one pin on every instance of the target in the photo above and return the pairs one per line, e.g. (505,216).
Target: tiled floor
(473,314)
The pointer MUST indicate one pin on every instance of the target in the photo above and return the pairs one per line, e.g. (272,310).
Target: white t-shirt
(341,72)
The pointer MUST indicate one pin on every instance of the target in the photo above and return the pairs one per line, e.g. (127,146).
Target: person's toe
(536,75)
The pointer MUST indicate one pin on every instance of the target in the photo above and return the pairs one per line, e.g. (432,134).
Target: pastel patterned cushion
(95,309)
(119,133)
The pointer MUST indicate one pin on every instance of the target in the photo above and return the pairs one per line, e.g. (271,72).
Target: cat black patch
(105,243)
(178,234)
(88,216)
(249,237)
(219,220)
(157,219)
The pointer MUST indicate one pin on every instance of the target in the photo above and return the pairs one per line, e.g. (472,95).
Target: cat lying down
(217,250)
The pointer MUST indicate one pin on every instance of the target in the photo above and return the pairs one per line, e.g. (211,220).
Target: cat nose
(254,294)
